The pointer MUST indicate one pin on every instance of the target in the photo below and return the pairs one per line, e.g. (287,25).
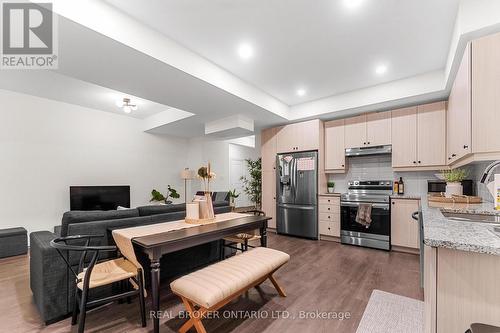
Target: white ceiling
(321,45)
(49,84)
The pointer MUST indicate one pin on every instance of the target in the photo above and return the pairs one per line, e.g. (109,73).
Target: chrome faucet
(486,176)
(487,171)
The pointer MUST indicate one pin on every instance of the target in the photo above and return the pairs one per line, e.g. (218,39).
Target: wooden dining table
(156,245)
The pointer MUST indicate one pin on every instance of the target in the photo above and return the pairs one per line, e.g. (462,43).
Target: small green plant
(330,184)
(233,194)
(171,193)
(454,175)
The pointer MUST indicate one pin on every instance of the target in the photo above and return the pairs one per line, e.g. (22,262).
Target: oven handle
(356,204)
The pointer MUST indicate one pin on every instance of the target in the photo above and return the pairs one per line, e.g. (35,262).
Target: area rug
(390,313)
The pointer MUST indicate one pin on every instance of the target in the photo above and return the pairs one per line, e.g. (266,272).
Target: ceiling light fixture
(351,4)
(245,51)
(381,69)
(126,105)
(301,92)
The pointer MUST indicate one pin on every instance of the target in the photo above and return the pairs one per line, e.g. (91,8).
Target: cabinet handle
(342,165)
(328,200)
(393,202)
(453,155)
(414,162)
(449,158)
(368,142)
(328,208)
(419,162)
(364,143)
(466,147)
(328,216)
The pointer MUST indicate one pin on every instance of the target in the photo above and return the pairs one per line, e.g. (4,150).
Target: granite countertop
(329,194)
(407,196)
(440,231)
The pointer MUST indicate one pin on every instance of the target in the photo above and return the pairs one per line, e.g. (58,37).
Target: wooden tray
(455,199)
(199,221)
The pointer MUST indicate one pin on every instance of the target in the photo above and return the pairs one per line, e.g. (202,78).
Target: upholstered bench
(212,287)
(13,242)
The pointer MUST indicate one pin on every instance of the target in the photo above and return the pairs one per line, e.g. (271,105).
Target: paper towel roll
(192,211)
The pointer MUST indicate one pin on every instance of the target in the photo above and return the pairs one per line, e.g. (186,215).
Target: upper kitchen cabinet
(485,95)
(459,120)
(404,132)
(299,136)
(372,129)
(378,128)
(268,148)
(334,146)
(355,131)
(419,137)
(431,134)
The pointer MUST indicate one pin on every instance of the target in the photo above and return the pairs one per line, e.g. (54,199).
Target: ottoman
(13,242)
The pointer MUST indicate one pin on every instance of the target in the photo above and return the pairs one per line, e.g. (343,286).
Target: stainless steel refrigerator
(297,194)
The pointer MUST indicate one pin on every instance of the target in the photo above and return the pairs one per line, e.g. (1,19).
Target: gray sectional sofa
(51,281)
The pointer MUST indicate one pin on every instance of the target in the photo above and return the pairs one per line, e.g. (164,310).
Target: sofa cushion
(77,216)
(160,209)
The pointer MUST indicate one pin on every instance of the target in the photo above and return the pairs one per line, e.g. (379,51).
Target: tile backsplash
(379,167)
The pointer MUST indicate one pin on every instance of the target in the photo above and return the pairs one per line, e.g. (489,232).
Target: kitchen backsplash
(378,167)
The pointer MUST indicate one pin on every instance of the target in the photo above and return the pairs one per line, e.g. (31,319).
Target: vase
(206,207)
(331,190)
(454,188)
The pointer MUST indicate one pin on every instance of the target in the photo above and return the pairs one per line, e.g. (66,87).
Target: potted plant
(253,186)
(233,195)
(330,186)
(159,198)
(453,180)
(206,205)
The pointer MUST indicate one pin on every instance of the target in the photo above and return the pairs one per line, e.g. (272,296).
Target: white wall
(46,146)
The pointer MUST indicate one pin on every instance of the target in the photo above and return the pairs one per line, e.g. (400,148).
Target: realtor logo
(28,36)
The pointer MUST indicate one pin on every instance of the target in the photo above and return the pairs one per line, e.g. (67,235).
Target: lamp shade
(187,174)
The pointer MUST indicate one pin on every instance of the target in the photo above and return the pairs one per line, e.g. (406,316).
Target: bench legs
(195,315)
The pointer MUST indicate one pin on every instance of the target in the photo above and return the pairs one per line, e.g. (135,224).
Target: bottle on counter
(396,187)
(401,186)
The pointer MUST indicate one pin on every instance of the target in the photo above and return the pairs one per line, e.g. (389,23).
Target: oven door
(377,235)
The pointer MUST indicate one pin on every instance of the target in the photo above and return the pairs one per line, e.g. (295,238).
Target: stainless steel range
(378,233)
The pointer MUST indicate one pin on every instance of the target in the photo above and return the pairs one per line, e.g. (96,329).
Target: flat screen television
(99,197)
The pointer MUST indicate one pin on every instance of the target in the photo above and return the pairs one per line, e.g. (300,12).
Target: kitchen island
(461,268)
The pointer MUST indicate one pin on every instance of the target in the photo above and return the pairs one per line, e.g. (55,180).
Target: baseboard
(329,238)
(405,249)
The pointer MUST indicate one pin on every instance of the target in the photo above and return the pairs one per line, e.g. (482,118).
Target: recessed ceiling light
(353,3)
(245,51)
(381,69)
(301,92)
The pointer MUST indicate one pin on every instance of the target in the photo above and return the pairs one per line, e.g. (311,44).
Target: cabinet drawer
(329,208)
(329,228)
(329,217)
(329,201)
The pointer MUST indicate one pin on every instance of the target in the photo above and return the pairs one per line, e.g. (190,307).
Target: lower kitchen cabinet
(460,288)
(404,230)
(329,216)
(269,196)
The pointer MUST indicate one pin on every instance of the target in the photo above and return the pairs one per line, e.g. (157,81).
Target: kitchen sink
(471,217)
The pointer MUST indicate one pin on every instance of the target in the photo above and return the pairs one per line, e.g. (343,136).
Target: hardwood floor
(321,276)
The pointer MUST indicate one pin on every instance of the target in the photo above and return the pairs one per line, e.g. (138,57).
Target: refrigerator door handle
(309,207)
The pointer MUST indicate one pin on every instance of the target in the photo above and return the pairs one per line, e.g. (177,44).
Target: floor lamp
(186,174)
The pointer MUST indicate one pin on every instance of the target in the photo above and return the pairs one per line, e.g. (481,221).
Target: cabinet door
(404,137)
(268,149)
(307,135)
(485,94)
(334,145)
(355,132)
(404,229)
(269,196)
(378,128)
(286,139)
(459,114)
(431,137)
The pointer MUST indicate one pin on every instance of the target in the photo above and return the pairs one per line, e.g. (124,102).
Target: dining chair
(242,238)
(97,274)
